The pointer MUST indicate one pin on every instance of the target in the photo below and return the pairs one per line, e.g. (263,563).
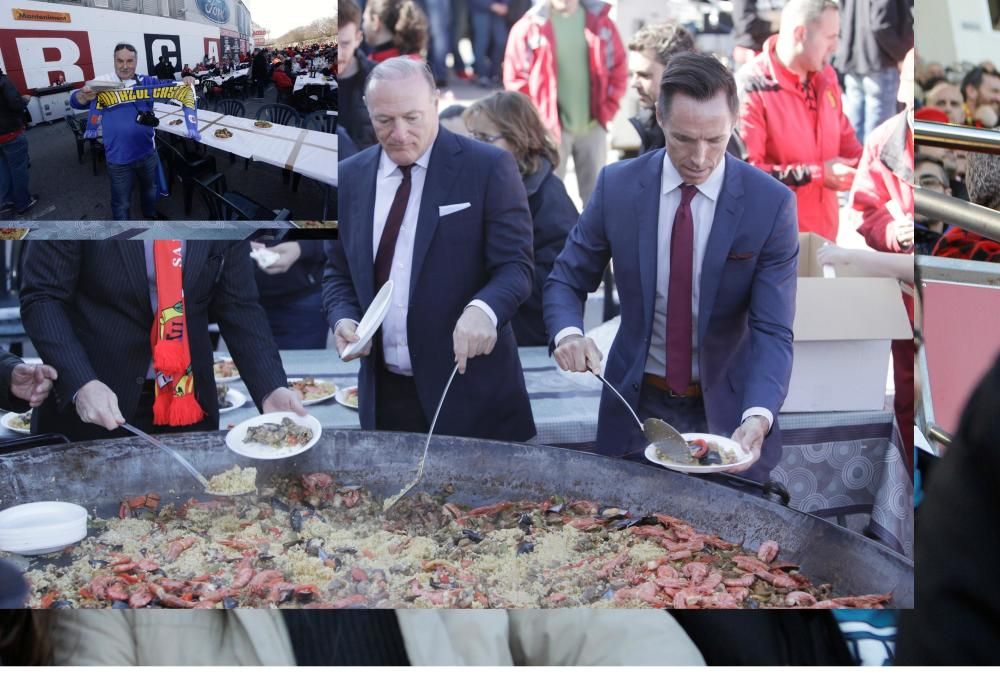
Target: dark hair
(518,121)
(974,78)
(664,39)
(454,110)
(405,20)
(348,11)
(25,638)
(699,76)
(124,45)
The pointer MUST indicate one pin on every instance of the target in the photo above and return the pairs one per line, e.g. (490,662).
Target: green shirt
(573,71)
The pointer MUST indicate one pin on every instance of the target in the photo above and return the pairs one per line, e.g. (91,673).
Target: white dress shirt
(703,214)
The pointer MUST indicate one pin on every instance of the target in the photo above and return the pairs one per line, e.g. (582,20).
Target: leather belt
(694,390)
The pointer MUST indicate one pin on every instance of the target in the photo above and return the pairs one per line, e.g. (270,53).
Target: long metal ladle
(666,439)
(391,501)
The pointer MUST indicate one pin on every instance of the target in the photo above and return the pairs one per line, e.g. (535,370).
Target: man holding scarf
(88,307)
(128,135)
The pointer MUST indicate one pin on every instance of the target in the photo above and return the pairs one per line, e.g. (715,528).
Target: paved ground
(69,191)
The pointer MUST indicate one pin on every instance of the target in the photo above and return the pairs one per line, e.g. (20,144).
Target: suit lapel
(195,256)
(442,170)
(728,212)
(647,205)
(361,221)
(133,255)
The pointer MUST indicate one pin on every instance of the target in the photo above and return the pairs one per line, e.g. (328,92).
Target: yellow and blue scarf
(179,92)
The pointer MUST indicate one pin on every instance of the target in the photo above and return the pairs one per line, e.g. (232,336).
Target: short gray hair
(400,68)
(982,178)
(805,12)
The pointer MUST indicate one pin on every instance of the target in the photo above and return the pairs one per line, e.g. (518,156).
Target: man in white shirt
(446,219)
(705,251)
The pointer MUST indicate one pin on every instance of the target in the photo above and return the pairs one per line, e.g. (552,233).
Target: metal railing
(972,217)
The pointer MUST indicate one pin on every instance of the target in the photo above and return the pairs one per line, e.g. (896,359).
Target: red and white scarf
(175,404)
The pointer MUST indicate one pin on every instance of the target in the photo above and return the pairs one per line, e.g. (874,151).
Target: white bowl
(41,527)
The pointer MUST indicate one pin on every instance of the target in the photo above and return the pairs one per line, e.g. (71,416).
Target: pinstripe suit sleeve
(48,286)
(244,326)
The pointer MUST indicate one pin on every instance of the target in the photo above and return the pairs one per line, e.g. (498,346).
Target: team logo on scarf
(180,92)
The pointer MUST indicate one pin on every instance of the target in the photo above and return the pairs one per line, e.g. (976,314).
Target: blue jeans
(121,186)
(489,39)
(298,323)
(14,173)
(870,99)
(439,29)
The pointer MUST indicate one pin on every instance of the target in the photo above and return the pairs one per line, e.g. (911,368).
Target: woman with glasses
(509,120)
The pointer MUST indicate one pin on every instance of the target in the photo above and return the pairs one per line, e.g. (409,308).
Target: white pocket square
(452,208)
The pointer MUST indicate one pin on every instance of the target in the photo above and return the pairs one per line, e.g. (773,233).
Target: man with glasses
(128,136)
(931,175)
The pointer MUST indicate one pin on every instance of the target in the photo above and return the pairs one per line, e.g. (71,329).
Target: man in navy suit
(705,249)
(446,219)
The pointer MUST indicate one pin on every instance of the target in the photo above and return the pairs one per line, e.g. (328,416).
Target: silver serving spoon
(668,441)
(391,501)
(183,462)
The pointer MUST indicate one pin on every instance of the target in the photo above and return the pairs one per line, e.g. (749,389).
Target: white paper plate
(41,527)
(322,398)
(743,457)
(265,257)
(7,422)
(223,380)
(234,439)
(236,398)
(32,360)
(342,395)
(372,319)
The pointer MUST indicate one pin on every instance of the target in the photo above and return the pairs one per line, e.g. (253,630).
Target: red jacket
(281,79)
(885,174)
(529,64)
(788,139)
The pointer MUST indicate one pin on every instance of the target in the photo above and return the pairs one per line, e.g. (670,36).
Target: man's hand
(345,334)
(474,335)
(499,8)
(283,399)
(32,383)
(837,174)
(85,95)
(288,253)
(904,233)
(986,115)
(751,436)
(578,354)
(97,404)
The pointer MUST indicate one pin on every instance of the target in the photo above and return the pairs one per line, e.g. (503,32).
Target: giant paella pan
(492,525)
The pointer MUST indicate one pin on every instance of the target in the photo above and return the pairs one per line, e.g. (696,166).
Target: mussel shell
(525,547)
(472,536)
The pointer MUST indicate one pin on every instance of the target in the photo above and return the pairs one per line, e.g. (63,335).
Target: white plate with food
(274,435)
(17,422)
(371,321)
(229,399)
(225,369)
(313,389)
(348,397)
(718,453)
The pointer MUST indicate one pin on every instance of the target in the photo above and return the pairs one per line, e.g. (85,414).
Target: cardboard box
(843,332)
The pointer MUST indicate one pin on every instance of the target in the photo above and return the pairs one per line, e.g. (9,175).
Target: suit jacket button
(635,385)
(140,380)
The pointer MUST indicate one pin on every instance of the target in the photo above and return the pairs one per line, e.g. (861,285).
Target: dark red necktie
(387,244)
(679,294)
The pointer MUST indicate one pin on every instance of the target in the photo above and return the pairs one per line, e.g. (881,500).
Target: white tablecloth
(304,80)
(219,79)
(310,153)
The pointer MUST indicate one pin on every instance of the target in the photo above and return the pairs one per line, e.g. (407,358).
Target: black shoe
(31,205)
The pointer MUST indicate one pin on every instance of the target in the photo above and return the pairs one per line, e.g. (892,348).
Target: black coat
(957,616)
(874,35)
(85,306)
(354,116)
(11,107)
(553,215)
(304,277)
